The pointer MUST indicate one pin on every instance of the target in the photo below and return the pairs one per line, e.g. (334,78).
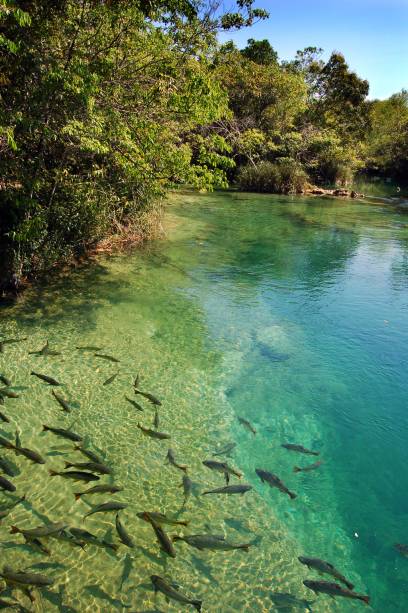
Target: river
(289,312)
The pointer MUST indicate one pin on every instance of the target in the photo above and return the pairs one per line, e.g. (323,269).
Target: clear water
(290,312)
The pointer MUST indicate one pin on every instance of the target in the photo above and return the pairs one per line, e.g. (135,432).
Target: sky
(371,34)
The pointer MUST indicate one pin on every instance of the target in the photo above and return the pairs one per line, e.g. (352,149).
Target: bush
(285,176)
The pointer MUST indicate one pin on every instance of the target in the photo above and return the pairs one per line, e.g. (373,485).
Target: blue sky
(372,35)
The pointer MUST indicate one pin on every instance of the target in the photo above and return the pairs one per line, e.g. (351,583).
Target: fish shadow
(28,506)
(47,566)
(237,525)
(98,592)
(20,547)
(57,600)
(204,568)
(153,558)
(127,569)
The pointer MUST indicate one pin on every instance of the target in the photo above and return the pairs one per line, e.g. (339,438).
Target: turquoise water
(290,312)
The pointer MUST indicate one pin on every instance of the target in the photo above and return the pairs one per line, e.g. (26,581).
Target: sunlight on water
(288,312)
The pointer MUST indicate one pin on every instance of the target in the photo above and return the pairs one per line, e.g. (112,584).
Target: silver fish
(210,541)
(325,567)
(274,481)
(160,585)
(170,458)
(123,535)
(230,489)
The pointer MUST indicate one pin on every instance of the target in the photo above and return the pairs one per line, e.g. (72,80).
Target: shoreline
(128,239)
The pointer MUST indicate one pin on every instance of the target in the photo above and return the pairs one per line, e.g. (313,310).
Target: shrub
(285,176)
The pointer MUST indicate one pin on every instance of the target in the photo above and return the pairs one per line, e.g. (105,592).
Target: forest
(106,105)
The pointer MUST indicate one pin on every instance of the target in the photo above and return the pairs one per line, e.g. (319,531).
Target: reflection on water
(288,312)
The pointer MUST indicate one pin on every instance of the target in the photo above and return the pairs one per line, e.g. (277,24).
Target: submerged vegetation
(103,105)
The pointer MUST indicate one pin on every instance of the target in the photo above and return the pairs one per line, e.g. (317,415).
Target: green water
(289,312)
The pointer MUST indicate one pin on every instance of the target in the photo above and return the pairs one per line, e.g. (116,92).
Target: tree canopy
(103,105)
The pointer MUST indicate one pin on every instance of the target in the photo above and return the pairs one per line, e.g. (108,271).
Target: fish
(62,402)
(9,341)
(187,486)
(45,378)
(244,422)
(123,535)
(88,537)
(76,475)
(37,544)
(45,351)
(5,509)
(4,380)
(170,458)
(41,531)
(299,449)
(111,379)
(153,433)
(286,601)
(135,404)
(403,549)
(210,541)
(107,507)
(160,585)
(93,467)
(6,392)
(65,535)
(63,433)
(274,481)
(333,590)
(225,450)
(164,541)
(89,348)
(89,454)
(136,381)
(156,420)
(148,396)
(325,567)
(160,518)
(34,456)
(5,484)
(18,577)
(4,418)
(222,467)
(306,469)
(99,489)
(18,439)
(230,489)
(6,443)
(30,454)
(109,358)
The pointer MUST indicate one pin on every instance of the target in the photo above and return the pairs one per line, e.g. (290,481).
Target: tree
(339,98)
(260,52)
(388,136)
(96,100)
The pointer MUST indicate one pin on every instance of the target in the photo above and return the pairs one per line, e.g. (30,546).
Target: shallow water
(290,312)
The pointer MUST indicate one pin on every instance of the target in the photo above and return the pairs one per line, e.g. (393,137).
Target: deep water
(288,312)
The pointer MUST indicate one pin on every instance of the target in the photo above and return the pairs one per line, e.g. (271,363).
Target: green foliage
(387,149)
(314,113)
(267,95)
(260,52)
(97,103)
(337,97)
(105,104)
(285,176)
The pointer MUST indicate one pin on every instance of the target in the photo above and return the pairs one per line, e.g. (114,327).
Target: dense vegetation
(105,104)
